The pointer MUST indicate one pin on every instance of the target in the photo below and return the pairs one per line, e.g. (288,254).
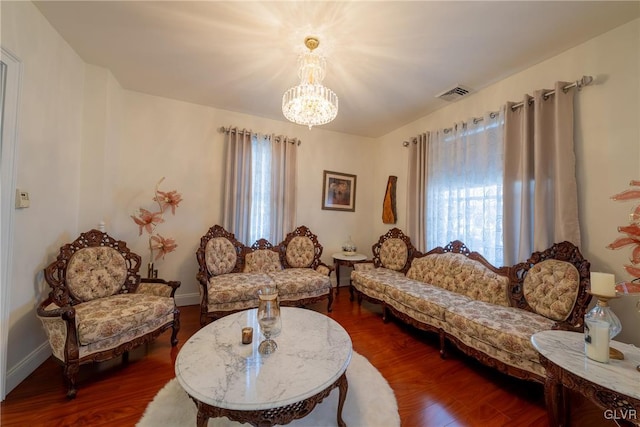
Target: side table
(340,259)
(613,386)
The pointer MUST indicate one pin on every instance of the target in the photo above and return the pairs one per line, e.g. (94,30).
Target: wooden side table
(340,259)
(613,386)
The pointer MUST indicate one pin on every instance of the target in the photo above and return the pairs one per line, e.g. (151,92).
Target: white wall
(48,159)
(607,141)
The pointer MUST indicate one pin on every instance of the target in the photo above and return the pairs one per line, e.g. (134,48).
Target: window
(260,216)
(260,186)
(464,188)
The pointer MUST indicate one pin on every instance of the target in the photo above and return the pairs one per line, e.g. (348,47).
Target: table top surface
(215,368)
(566,350)
(354,257)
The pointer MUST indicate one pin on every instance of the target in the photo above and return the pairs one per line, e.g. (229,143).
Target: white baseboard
(26,366)
(188,299)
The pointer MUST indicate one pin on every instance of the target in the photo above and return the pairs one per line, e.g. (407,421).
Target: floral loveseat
(231,273)
(98,308)
(489,313)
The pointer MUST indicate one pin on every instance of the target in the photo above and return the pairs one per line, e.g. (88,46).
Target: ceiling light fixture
(310,103)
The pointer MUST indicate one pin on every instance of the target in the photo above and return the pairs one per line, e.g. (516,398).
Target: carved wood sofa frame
(564,251)
(204,274)
(64,304)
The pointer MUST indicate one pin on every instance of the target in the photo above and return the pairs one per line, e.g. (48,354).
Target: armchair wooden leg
(443,345)
(330,303)
(176,328)
(70,372)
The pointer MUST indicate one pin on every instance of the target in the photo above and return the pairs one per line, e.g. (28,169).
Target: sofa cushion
(501,355)
(507,328)
(298,283)
(105,318)
(300,252)
(460,274)
(95,272)
(422,297)
(551,288)
(373,282)
(394,254)
(232,287)
(262,261)
(220,256)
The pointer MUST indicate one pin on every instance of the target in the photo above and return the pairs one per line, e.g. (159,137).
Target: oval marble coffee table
(226,378)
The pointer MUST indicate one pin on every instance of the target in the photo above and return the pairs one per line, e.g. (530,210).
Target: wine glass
(269,318)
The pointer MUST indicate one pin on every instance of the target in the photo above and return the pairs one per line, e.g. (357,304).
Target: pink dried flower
(632,230)
(162,245)
(147,220)
(168,199)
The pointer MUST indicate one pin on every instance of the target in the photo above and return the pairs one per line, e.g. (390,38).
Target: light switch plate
(22,199)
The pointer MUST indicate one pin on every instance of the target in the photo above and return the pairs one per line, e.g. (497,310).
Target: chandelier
(310,103)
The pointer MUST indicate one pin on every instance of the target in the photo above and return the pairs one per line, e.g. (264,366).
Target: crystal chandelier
(310,103)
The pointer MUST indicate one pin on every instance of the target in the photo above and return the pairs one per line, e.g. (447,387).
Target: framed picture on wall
(339,191)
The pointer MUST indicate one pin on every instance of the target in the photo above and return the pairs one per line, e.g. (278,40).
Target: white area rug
(370,402)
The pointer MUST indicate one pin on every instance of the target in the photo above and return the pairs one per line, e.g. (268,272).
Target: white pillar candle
(596,340)
(603,284)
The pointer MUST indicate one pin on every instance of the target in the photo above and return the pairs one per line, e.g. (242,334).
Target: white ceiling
(386,60)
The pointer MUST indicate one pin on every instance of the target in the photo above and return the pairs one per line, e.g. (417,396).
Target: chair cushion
(262,261)
(95,272)
(105,318)
(220,256)
(551,288)
(394,254)
(300,252)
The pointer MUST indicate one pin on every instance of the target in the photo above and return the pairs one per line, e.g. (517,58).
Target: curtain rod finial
(584,81)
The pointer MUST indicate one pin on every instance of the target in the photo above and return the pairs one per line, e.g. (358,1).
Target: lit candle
(603,284)
(247,335)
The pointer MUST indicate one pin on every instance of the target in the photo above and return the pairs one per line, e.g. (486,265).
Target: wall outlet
(22,199)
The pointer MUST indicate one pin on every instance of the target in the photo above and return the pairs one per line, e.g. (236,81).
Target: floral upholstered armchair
(98,309)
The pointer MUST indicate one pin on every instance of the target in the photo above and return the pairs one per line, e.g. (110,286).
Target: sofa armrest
(324,269)
(158,287)
(363,265)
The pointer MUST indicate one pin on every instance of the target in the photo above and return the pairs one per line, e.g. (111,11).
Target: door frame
(9,112)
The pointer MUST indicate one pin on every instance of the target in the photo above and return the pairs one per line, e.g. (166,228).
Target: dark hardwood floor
(457,391)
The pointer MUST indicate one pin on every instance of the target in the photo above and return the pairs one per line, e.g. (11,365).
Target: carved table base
(281,415)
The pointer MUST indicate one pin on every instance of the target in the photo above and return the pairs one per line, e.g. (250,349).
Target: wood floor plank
(431,391)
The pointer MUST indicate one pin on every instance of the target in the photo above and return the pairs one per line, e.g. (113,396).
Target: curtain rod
(277,138)
(584,81)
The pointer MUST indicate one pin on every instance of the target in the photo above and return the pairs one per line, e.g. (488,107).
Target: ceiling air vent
(455,93)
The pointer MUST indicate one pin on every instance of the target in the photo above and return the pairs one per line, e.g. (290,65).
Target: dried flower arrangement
(148,221)
(631,231)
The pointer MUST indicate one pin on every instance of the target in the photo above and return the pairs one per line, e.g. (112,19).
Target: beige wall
(90,151)
(181,141)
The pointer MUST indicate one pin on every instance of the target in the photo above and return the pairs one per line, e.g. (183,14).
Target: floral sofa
(487,312)
(231,273)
